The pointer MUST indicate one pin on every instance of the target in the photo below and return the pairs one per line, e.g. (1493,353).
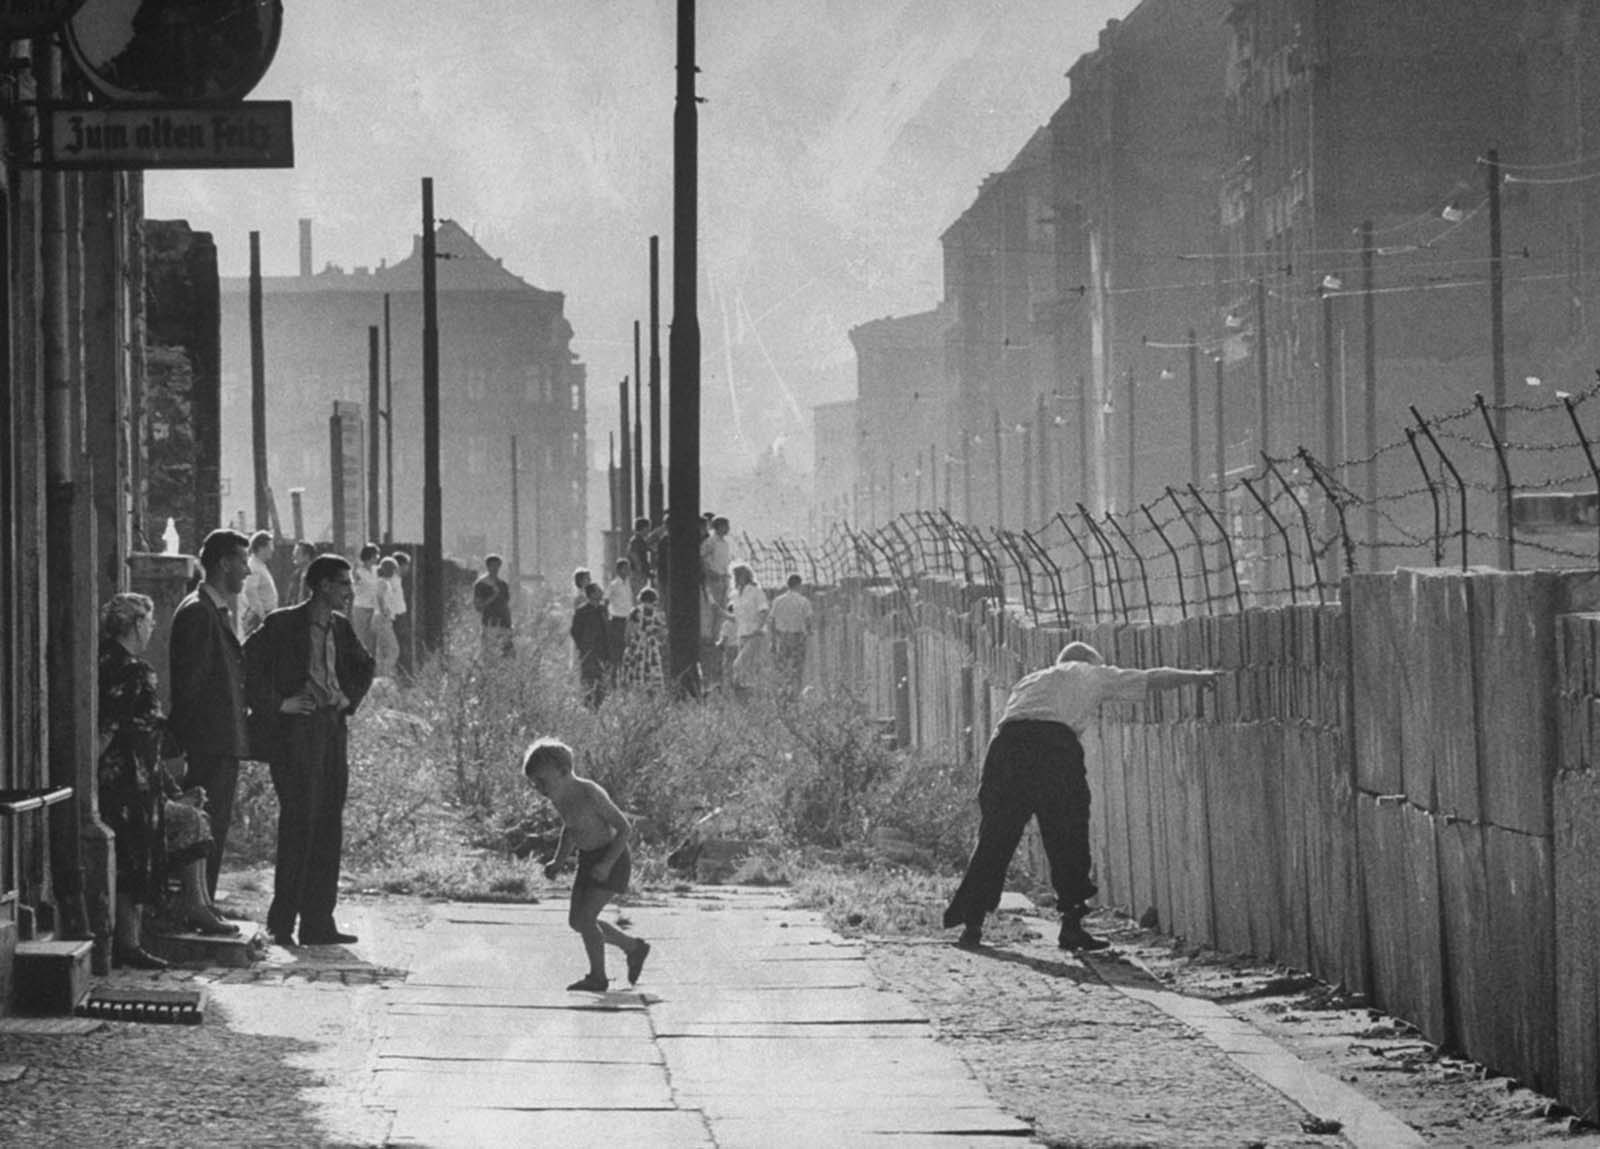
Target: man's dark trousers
(311,775)
(220,777)
(1032,769)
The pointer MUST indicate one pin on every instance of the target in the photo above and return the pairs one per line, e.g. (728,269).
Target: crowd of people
(252,674)
(619,630)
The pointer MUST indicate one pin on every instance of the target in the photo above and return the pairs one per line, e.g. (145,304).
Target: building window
(577,397)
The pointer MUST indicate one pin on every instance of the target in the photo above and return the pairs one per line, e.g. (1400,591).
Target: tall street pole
(374,445)
(999,476)
(432,492)
(1497,336)
(966,475)
(625,491)
(1133,442)
(1222,422)
(258,390)
(640,499)
(1263,397)
(1330,413)
(1369,354)
(1083,439)
(1194,407)
(683,527)
(516,519)
(388,429)
(1042,463)
(657,495)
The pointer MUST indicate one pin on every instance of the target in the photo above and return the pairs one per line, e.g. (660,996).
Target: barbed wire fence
(1287,532)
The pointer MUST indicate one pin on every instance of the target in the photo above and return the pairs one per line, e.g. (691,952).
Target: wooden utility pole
(1194,407)
(258,391)
(625,490)
(1133,442)
(1497,338)
(516,520)
(657,494)
(1330,410)
(1042,460)
(1369,353)
(388,429)
(683,526)
(1083,440)
(374,443)
(999,476)
(1222,421)
(640,498)
(1263,394)
(432,597)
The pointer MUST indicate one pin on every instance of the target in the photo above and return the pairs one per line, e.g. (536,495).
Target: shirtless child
(591,824)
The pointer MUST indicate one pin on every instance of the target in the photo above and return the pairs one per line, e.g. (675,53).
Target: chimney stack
(305,249)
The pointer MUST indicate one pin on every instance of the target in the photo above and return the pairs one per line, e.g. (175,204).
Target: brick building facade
(506,368)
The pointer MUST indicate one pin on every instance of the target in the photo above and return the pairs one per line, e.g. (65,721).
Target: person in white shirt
(749,606)
(260,593)
(365,603)
(619,605)
(791,622)
(391,605)
(1034,768)
(716,552)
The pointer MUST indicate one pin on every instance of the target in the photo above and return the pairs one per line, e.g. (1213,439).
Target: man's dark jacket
(277,665)
(590,636)
(208,691)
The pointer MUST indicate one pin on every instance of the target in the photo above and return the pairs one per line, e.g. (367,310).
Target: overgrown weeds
(438,804)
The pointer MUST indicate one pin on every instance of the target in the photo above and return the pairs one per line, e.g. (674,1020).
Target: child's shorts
(616,881)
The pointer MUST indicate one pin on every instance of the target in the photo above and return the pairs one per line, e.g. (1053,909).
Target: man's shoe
(1075,937)
(636,961)
(971,938)
(331,938)
(283,938)
(205,922)
(591,984)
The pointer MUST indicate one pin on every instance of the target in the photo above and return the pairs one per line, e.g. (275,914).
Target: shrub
(436,785)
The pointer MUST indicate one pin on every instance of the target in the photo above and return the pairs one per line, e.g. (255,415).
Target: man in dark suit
(305,674)
(208,700)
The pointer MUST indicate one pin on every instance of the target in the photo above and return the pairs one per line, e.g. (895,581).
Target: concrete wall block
(1399,871)
(1295,770)
(1514,653)
(1227,788)
(1140,819)
(1577,947)
(1377,652)
(1521,901)
(1338,927)
(1471,1023)
(1577,591)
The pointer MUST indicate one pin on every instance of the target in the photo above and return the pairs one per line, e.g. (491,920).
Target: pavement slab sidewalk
(753,1025)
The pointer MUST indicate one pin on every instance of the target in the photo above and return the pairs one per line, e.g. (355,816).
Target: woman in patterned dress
(642,663)
(157,826)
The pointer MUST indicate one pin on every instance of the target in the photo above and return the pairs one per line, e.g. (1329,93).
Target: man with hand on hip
(306,672)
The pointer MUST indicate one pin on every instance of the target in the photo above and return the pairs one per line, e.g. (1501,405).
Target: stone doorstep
(204,950)
(50,977)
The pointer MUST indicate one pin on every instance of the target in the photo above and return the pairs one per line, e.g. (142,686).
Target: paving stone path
(754,1025)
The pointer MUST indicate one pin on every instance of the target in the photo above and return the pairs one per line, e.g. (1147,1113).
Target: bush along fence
(1396,791)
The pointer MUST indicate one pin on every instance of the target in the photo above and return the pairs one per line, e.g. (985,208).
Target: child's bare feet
(589,983)
(636,958)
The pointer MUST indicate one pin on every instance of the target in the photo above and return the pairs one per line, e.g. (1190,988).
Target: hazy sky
(837,140)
